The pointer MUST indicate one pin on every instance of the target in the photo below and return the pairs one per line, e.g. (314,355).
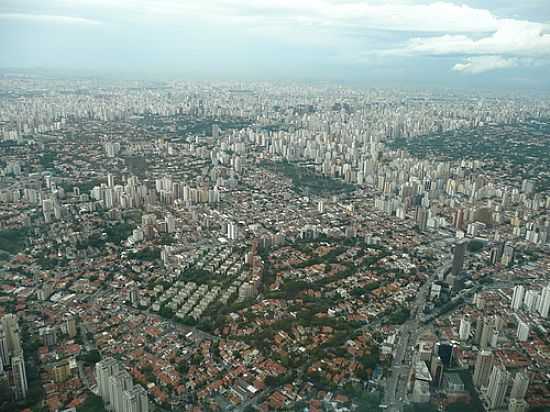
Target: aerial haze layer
(471,43)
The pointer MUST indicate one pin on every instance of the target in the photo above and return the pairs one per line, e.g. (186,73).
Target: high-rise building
(117,390)
(170,223)
(70,326)
(520,385)
(544,302)
(118,383)
(135,400)
(458,257)
(4,353)
(498,384)
(487,328)
(522,331)
(517,297)
(12,335)
(104,370)
(531,300)
(465,328)
(19,375)
(483,367)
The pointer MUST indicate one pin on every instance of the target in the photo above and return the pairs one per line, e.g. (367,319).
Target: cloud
(476,36)
(482,64)
(389,15)
(511,38)
(512,42)
(47,18)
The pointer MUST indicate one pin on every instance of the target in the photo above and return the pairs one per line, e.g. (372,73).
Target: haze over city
(491,43)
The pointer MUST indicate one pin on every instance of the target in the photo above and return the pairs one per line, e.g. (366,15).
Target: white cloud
(511,38)
(434,28)
(392,15)
(47,18)
(481,64)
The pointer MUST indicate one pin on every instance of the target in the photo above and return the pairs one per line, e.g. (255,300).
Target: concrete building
(520,385)
(483,366)
(498,385)
(19,374)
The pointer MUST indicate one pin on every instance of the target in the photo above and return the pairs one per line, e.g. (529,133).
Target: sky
(470,43)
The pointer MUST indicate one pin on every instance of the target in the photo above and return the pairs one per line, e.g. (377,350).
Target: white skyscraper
(544,302)
(522,331)
(465,328)
(520,385)
(104,370)
(135,400)
(498,384)
(170,223)
(531,300)
(118,383)
(483,367)
(517,297)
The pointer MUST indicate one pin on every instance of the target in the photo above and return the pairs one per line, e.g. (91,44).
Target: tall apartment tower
(465,328)
(135,400)
(19,374)
(4,353)
(11,333)
(487,328)
(498,384)
(483,367)
(458,257)
(118,384)
(520,385)
(544,302)
(517,297)
(104,369)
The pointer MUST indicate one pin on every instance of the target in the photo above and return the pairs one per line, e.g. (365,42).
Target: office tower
(544,302)
(487,328)
(465,328)
(110,180)
(19,376)
(458,257)
(118,383)
(498,384)
(523,331)
(517,297)
(104,370)
(321,206)
(483,367)
(518,405)
(520,385)
(135,400)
